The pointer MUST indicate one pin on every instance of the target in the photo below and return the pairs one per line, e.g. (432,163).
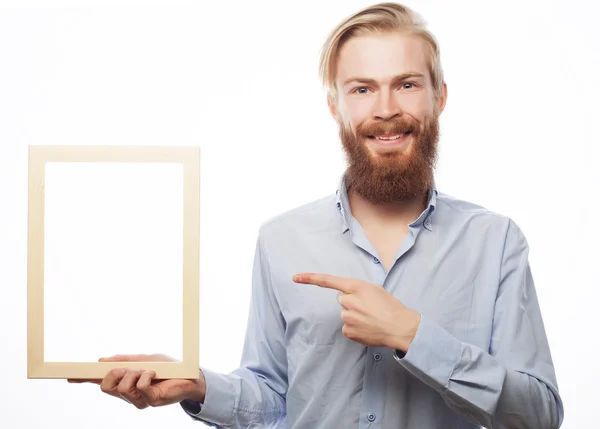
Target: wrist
(199,393)
(197,396)
(402,338)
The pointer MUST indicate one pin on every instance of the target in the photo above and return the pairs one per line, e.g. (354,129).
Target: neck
(388,214)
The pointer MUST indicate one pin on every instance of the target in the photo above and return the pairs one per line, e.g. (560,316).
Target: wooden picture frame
(189,157)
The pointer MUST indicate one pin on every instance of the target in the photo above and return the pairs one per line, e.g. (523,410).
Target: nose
(386,106)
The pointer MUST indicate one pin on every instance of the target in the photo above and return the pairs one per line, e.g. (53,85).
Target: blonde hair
(382,18)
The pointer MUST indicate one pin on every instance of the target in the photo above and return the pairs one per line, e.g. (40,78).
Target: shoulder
(474,217)
(302,219)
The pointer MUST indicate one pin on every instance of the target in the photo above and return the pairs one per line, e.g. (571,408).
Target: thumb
(113,358)
(123,358)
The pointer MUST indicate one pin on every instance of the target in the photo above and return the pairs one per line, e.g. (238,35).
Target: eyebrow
(395,79)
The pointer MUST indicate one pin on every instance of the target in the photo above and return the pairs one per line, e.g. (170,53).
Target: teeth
(390,138)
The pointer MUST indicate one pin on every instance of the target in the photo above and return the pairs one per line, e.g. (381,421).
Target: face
(388,116)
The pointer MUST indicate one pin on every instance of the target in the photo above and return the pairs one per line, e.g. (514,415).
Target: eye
(408,85)
(361,90)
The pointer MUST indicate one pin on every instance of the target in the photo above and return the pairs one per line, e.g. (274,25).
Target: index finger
(326,280)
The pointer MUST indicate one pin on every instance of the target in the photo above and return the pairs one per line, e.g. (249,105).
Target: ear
(331,103)
(442,101)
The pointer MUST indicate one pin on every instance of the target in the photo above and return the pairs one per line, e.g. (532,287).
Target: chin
(378,150)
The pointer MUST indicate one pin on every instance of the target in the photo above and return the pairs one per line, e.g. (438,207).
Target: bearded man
(387,304)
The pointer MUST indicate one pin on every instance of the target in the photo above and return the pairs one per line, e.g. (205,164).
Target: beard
(394,174)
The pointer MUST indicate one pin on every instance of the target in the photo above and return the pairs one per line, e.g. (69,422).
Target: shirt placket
(371,413)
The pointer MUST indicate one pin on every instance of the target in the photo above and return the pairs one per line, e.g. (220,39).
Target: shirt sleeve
(254,394)
(511,385)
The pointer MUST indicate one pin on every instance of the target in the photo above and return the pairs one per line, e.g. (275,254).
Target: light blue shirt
(480,356)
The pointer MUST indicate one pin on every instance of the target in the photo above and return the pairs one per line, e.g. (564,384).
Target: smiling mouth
(390,137)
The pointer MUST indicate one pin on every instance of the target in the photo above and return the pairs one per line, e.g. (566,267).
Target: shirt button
(377,357)
(371,417)
(375,260)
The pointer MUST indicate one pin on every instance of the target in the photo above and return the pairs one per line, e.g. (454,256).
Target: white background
(239,79)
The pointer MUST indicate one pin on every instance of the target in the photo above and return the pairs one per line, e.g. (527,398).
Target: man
(387,304)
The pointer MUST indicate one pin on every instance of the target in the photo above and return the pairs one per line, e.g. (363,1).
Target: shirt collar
(343,206)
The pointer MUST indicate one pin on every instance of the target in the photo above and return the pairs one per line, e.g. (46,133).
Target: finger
(128,391)
(124,358)
(352,333)
(346,331)
(351,318)
(111,380)
(349,302)
(340,298)
(326,280)
(82,380)
(147,390)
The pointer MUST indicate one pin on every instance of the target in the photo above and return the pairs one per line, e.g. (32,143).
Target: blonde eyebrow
(395,79)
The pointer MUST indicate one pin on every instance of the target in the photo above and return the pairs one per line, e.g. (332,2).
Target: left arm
(513,385)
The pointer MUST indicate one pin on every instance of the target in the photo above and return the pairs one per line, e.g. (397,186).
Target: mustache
(398,126)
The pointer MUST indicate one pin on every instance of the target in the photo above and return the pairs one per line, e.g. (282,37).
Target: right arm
(254,394)
(251,396)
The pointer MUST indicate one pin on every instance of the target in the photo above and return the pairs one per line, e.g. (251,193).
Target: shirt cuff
(218,406)
(432,355)
(191,407)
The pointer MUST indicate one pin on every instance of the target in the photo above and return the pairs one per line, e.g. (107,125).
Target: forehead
(381,56)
